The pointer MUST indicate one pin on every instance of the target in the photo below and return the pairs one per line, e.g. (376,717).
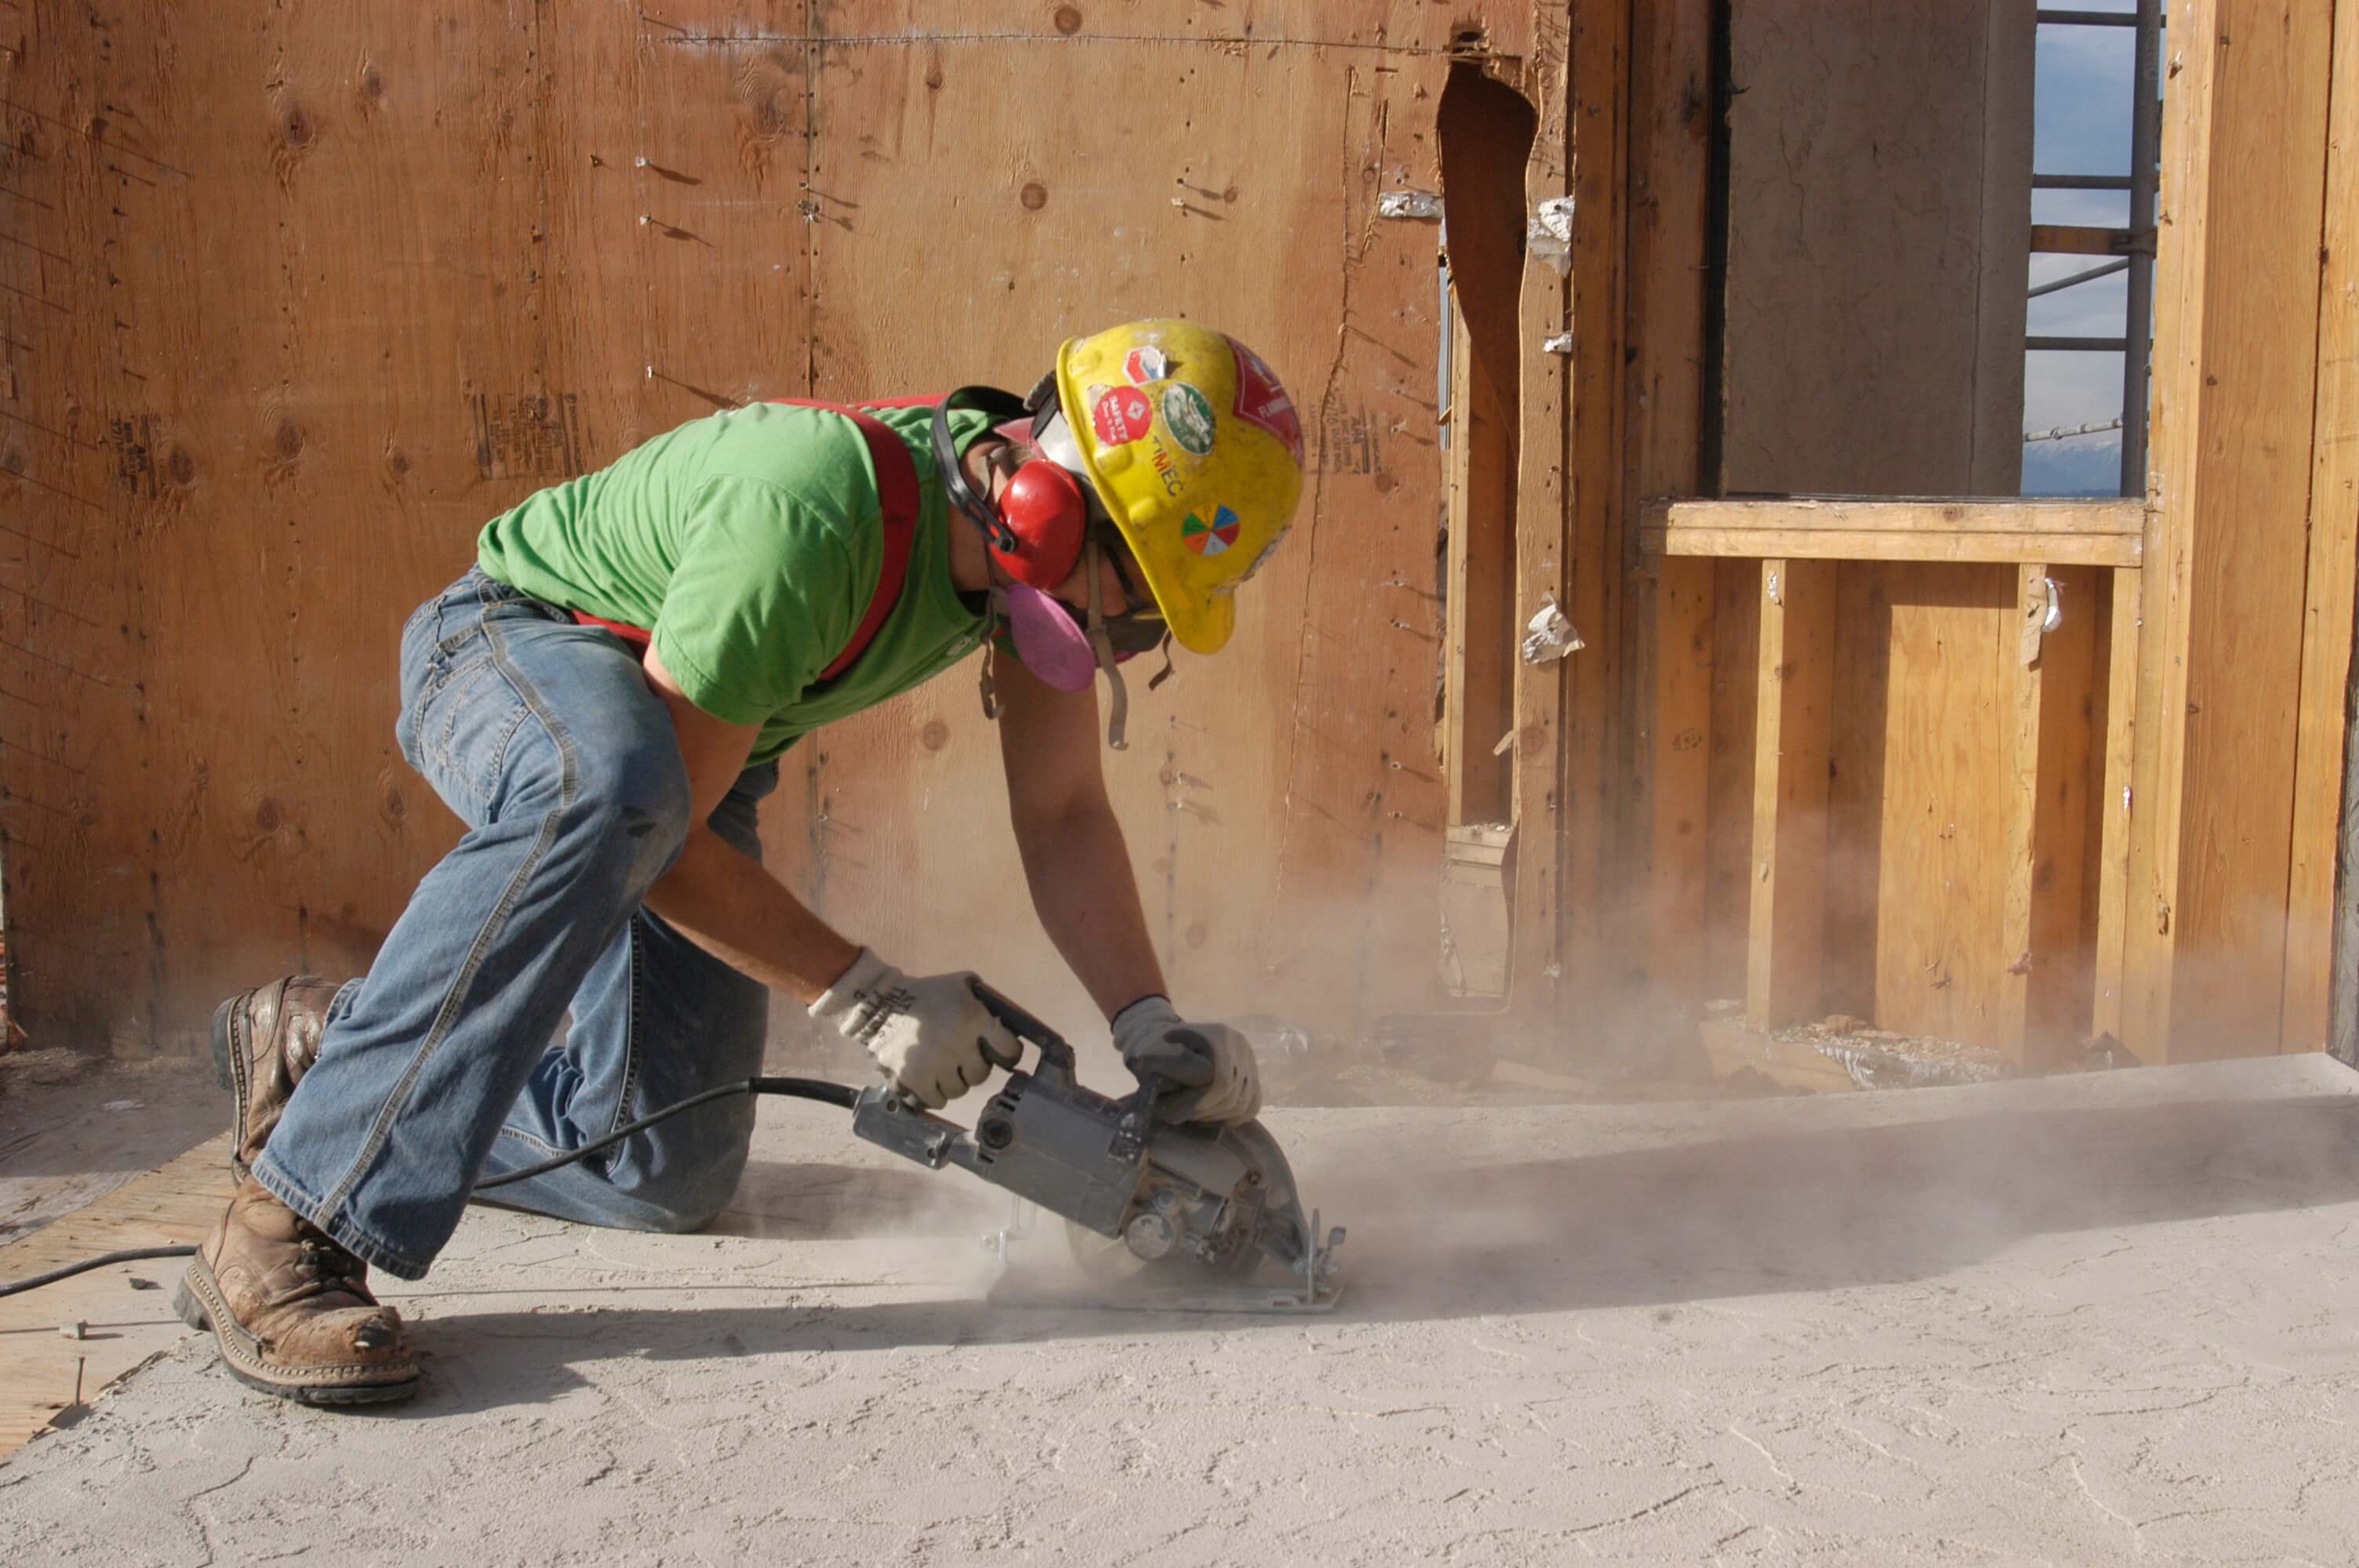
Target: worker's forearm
(1087,899)
(728,905)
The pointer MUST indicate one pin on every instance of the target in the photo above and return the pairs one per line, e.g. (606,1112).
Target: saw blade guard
(1136,1193)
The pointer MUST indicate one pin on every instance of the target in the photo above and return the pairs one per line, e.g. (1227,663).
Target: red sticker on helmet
(1121,416)
(1263,403)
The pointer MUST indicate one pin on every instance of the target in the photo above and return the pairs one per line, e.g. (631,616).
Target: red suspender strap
(898,499)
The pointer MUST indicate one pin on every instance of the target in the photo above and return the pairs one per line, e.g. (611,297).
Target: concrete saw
(1197,1218)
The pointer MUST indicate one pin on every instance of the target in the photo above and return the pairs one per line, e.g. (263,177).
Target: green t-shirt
(750,541)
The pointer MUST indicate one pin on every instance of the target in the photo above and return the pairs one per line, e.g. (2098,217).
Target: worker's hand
(1212,1062)
(927,1035)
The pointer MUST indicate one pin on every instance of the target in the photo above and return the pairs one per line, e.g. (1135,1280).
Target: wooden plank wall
(2327,609)
(2237,325)
(301,296)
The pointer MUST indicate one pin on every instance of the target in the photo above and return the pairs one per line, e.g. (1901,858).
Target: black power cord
(796,1088)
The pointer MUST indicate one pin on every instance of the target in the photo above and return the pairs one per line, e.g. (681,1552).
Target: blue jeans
(437,1069)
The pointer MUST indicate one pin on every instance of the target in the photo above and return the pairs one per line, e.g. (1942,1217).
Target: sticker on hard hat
(1165,469)
(1189,415)
(1143,366)
(1121,416)
(1263,403)
(1211,539)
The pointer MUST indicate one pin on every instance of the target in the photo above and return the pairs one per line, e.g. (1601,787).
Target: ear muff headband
(1036,535)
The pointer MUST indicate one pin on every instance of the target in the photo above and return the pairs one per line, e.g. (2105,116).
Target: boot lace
(323,1265)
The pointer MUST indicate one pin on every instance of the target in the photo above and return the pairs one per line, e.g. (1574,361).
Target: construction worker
(604,698)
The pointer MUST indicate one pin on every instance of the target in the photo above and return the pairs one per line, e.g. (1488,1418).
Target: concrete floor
(2080,1321)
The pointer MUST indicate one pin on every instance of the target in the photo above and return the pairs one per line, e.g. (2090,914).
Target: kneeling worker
(604,698)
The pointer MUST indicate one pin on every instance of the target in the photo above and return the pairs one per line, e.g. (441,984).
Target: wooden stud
(1736,698)
(2333,565)
(1537,777)
(1677,786)
(1596,937)
(1669,625)
(1789,792)
(2116,807)
(2244,133)
(2045,770)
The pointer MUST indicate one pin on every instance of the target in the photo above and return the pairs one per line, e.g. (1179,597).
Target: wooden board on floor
(176,1203)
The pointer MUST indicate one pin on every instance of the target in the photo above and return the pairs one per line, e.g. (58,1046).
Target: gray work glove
(927,1035)
(1212,1062)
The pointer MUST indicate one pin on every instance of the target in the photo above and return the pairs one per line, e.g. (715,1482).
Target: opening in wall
(1485,132)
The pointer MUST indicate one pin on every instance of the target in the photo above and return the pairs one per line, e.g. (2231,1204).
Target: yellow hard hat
(1196,453)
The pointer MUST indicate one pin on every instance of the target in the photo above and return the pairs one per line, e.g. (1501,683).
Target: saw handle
(1056,1052)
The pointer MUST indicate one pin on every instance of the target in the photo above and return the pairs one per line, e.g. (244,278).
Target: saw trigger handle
(1006,1062)
(1056,1053)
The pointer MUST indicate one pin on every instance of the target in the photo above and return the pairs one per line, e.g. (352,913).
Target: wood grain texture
(2078,240)
(2327,611)
(1728,858)
(1667,629)
(339,282)
(2111,877)
(1537,777)
(2043,1002)
(1925,762)
(1786,947)
(1598,922)
(1753,543)
(2077,533)
(2236,329)
(178,1202)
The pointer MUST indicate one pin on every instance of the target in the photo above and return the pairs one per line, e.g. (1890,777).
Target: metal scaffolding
(2132,248)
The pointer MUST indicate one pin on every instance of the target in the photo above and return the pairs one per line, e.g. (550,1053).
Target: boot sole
(191,1300)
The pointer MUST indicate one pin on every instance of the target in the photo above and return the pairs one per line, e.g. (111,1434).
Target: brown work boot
(264,1040)
(291,1309)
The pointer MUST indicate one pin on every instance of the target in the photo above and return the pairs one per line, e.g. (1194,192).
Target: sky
(2081,125)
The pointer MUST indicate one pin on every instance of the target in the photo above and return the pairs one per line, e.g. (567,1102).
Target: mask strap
(1101,647)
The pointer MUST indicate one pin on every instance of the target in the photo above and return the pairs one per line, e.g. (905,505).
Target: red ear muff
(1045,510)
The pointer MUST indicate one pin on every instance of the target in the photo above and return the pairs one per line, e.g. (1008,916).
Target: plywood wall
(298,296)
(1878,247)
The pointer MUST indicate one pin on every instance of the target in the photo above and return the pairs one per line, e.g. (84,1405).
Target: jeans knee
(672,1219)
(631,803)
(682,1200)
(681,1174)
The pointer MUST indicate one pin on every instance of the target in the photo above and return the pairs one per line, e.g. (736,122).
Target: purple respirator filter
(1049,641)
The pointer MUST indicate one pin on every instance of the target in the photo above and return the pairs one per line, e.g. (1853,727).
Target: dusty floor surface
(2083,1321)
(71,1131)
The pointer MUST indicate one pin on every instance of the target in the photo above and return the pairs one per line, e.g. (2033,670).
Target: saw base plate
(1311,1292)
